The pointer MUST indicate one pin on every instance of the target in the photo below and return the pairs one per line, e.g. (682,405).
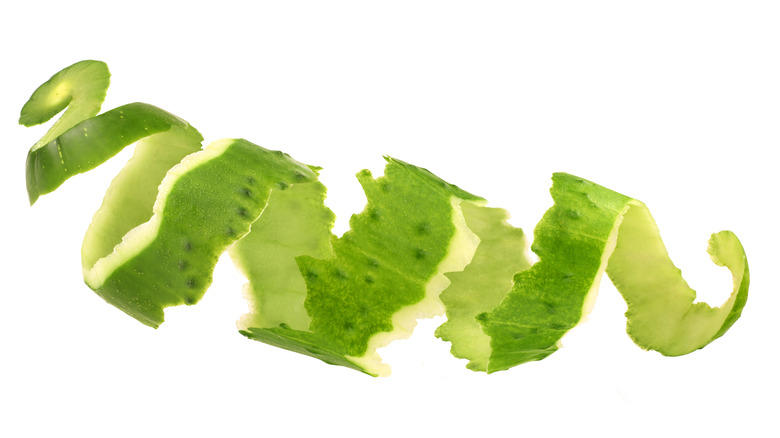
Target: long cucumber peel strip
(590,230)
(503,251)
(421,247)
(345,300)
(204,204)
(170,212)
(79,142)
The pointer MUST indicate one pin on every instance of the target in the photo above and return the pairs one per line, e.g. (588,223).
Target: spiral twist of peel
(421,246)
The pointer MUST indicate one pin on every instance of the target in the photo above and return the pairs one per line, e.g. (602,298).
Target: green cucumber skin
(209,207)
(573,244)
(502,252)
(92,142)
(546,300)
(296,222)
(373,274)
(303,342)
(740,300)
(81,88)
(353,294)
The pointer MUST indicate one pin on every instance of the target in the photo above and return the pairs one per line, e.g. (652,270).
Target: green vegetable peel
(421,247)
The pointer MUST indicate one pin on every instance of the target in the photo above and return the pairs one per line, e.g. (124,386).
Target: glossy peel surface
(421,247)
(588,230)
(205,204)
(373,285)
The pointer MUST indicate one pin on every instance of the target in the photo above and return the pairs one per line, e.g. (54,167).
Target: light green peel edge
(276,290)
(462,247)
(503,250)
(662,314)
(295,222)
(81,88)
(481,257)
(97,264)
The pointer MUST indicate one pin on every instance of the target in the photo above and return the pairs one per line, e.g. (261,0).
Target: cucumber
(204,204)
(421,247)
(662,314)
(503,251)
(370,286)
(81,88)
(589,230)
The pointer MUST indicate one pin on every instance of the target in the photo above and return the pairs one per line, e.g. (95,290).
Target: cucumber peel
(81,88)
(662,314)
(170,212)
(421,247)
(368,287)
(205,204)
(590,230)
(503,251)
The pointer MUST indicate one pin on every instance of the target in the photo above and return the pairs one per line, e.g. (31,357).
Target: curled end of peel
(79,89)
(725,249)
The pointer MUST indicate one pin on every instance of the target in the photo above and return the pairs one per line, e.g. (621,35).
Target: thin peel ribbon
(590,230)
(421,247)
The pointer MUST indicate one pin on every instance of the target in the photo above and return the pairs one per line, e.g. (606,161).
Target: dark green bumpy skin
(91,143)
(589,230)
(546,301)
(208,208)
(372,274)
(175,207)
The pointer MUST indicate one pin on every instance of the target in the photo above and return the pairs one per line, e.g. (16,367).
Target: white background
(675,103)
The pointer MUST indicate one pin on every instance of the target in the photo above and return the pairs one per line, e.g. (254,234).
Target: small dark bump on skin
(245,191)
(241,211)
(311,275)
(299,176)
(375,214)
(369,279)
(250,180)
(373,263)
(187,246)
(338,273)
(282,185)
(189,301)
(230,232)
(574,214)
(182,265)
(424,228)
(550,308)
(420,253)
(191,283)
(348,326)
(385,186)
